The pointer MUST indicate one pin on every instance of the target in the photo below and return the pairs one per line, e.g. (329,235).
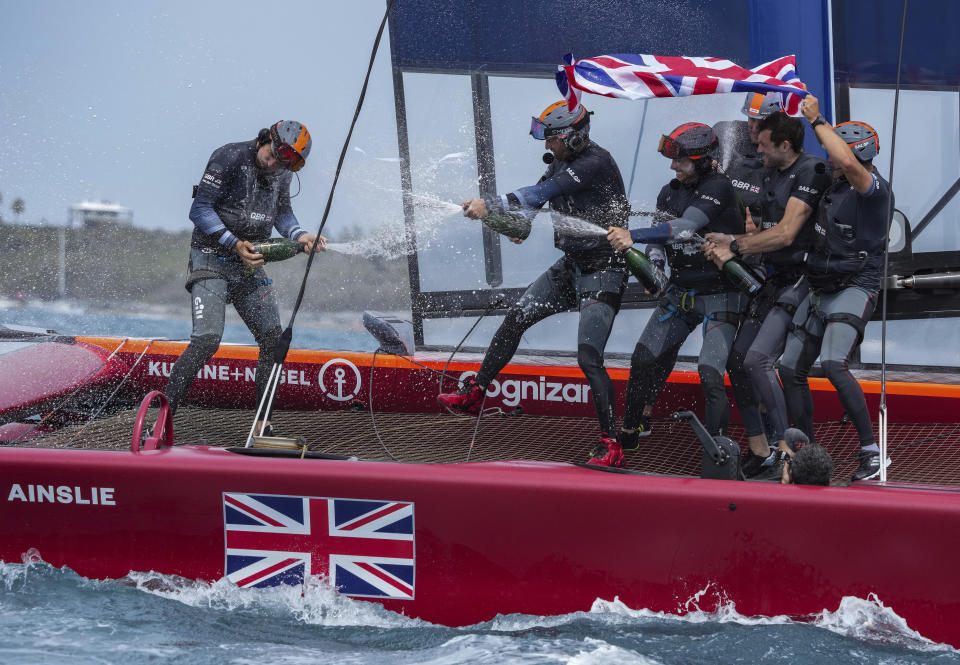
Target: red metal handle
(161,434)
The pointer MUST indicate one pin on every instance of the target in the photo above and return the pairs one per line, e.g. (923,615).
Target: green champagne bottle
(510,224)
(736,270)
(277,249)
(741,276)
(646,272)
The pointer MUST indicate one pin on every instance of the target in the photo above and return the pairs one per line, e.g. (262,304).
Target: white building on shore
(93,213)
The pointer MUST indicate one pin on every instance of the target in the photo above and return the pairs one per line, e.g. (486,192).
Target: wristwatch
(819,121)
(735,247)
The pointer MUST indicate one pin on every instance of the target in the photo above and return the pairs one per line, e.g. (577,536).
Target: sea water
(77,319)
(53,616)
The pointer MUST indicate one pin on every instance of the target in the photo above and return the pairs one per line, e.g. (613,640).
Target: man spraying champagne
(244,194)
(581,181)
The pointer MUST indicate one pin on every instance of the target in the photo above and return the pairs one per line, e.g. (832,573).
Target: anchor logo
(340,390)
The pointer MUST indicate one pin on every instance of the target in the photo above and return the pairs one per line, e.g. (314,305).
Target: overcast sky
(124,101)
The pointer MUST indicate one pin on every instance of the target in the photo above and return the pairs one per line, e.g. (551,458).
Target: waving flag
(632,76)
(365,548)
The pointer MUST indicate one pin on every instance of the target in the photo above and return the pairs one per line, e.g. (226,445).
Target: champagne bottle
(510,224)
(277,249)
(645,271)
(741,276)
(736,270)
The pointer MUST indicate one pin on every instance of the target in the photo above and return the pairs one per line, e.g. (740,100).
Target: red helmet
(693,139)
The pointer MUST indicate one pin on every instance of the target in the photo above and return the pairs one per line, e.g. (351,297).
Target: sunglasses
(537,129)
(669,148)
(287,156)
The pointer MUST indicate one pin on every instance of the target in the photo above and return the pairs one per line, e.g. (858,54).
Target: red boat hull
(485,543)
(38,375)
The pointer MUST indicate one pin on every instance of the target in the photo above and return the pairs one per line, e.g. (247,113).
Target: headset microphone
(548,158)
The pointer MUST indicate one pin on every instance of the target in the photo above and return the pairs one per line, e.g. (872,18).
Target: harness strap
(606,297)
(680,306)
(200,275)
(853,320)
(733,318)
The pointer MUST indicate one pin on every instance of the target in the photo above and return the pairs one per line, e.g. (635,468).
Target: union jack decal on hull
(364,548)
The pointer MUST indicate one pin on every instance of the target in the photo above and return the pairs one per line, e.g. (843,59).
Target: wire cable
(882,424)
(373,419)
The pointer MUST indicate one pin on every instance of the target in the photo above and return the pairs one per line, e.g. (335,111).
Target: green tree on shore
(18,206)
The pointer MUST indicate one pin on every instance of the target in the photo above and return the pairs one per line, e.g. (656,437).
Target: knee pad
(268,340)
(589,358)
(787,375)
(754,362)
(515,318)
(710,380)
(206,344)
(735,361)
(834,369)
(641,356)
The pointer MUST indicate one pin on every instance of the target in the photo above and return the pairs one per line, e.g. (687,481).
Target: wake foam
(317,603)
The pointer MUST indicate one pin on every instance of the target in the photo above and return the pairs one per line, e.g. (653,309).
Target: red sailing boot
(466,400)
(607,452)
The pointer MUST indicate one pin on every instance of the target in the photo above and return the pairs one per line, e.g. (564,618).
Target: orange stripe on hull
(245,352)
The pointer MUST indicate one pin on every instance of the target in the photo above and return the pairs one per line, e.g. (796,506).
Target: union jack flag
(631,76)
(364,548)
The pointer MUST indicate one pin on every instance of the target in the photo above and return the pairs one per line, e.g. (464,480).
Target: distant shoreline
(335,320)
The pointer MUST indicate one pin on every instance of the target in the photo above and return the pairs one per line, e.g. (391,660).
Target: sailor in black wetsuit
(582,181)
(699,200)
(244,194)
(741,162)
(738,156)
(791,189)
(844,268)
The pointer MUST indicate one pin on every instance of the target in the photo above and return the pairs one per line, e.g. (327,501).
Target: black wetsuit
(698,293)
(762,335)
(236,200)
(844,268)
(590,274)
(742,164)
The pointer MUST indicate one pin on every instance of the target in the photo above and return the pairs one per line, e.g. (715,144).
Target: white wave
(867,620)
(870,620)
(315,602)
(480,649)
(598,652)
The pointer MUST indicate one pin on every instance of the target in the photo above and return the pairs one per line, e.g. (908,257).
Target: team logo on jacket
(363,548)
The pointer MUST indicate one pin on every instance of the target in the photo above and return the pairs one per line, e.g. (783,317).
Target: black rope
(373,419)
(286,337)
(336,175)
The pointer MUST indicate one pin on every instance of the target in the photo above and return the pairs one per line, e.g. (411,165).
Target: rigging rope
(283,344)
(126,376)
